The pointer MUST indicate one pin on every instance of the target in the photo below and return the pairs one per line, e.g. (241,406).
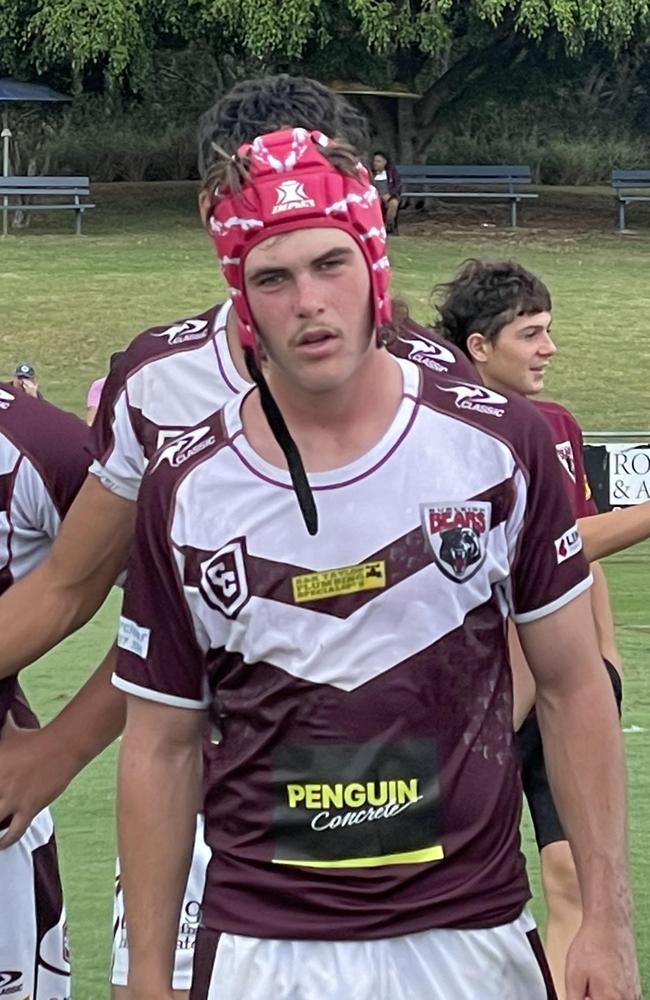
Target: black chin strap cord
(281,434)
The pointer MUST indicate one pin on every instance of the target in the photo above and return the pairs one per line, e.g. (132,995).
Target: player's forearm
(584,755)
(605,534)
(603,617)
(38,612)
(91,721)
(158,794)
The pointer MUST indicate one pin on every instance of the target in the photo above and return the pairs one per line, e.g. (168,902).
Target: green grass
(66,304)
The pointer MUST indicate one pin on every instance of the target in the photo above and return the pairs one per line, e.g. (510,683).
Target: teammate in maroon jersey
(500,314)
(347,642)
(42,465)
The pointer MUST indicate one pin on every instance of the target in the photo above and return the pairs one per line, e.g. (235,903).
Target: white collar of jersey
(222,347)
(362,466)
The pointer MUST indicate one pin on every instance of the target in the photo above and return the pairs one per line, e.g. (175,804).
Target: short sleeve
(160,656)
(548,569)
(119,459)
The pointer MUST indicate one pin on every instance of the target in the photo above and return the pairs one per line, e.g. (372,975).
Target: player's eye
(330,264)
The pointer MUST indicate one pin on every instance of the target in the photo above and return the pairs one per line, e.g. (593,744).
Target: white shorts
(189,924)
(499,963)
(34,957)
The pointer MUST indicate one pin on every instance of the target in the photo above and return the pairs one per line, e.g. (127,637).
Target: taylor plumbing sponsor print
(356,806)
(629,474)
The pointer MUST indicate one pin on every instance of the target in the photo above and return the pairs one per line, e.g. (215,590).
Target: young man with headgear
(323,574)
(143,405)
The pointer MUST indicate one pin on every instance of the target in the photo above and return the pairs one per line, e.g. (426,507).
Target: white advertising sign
(629,474)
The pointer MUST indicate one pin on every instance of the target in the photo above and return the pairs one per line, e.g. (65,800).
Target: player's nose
(307,296)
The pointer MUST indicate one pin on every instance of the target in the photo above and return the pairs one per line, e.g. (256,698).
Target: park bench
(504,182)
(73,189)
(629,185)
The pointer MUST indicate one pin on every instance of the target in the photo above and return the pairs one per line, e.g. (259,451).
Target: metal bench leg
(78,214)
(621,214)
(513,213)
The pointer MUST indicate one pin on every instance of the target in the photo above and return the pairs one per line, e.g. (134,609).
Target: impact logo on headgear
(291,195)
(457,534)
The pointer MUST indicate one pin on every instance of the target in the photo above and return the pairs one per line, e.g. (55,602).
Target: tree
(441,48)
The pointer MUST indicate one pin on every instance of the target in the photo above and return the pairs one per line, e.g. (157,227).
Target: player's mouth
(316,343)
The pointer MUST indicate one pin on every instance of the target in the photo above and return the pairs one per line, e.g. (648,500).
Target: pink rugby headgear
(293,186)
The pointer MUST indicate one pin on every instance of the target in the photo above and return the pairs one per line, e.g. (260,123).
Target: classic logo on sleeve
(568,544)
(356,806)
(428,353)
(185,447)
(478,399)
(223,581)
(457,533)
(185,332)
(6,399)
(565,454)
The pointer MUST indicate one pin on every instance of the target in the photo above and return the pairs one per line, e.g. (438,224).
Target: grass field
(66,304)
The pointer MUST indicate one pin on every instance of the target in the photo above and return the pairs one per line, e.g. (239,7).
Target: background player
(233,607)
(500,314)
(42,466)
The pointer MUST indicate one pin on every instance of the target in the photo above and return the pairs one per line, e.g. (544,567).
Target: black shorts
(546,822)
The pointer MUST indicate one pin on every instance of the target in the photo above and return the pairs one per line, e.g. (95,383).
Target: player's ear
(477,346)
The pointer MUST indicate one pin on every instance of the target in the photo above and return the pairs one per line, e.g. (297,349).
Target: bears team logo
(457,534)
(567,460)
(223,581)
(291,195)
(428,353)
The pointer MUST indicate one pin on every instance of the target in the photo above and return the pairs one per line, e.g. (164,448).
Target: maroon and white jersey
(43,462)
(365,784)
(567,437)
(424,346)
(170,378)
(177,376)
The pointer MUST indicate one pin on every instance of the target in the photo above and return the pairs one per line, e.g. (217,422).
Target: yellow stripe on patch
(410,858)
(338,582)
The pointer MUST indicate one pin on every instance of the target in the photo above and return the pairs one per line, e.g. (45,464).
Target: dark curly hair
(484,297)
(273,102)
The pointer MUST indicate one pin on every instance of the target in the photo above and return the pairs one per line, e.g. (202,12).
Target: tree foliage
(440,47)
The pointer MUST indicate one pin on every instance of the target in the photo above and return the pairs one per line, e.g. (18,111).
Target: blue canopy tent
(14,91)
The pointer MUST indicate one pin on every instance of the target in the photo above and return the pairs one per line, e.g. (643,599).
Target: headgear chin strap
(290,186)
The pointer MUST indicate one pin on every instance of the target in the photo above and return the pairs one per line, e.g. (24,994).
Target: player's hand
(33,772)
(601,964)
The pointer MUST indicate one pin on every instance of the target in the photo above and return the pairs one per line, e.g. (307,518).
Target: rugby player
(322,572)
(500,315)
(42,465)
(144,404)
